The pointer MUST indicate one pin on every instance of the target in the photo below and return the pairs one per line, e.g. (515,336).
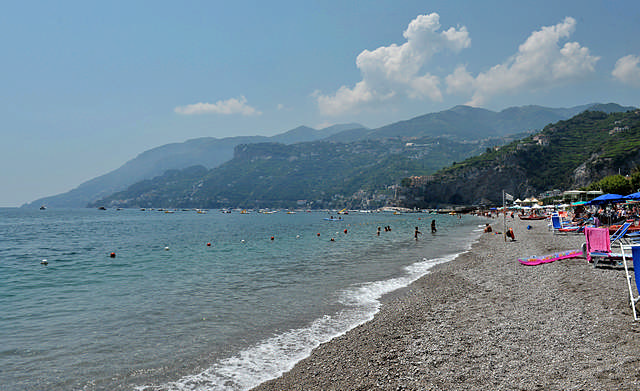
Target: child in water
(415,234)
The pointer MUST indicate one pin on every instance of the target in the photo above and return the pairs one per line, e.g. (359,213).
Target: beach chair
(598,246)
(559,228)
(620,232)
(635,255)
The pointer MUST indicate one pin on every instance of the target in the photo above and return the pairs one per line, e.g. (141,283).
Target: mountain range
(459,133)
(568,154)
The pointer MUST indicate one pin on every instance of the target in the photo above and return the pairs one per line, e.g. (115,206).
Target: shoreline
(484,320)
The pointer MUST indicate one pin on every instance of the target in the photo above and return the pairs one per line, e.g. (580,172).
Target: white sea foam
(274,356)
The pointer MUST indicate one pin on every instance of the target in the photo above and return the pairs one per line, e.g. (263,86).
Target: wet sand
(486,322)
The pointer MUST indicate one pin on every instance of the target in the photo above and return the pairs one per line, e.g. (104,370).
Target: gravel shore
(486,322)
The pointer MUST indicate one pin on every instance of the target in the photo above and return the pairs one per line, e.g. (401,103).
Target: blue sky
(87,86)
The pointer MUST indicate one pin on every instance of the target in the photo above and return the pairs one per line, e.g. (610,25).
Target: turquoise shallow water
(171,313)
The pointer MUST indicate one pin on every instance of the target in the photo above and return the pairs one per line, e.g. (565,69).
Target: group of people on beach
(509,232)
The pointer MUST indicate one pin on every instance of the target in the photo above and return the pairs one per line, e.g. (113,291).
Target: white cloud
(540,62)
(627,70)
(391,71)
(226,107)
(460,81)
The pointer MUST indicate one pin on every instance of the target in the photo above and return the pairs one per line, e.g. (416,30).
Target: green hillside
(567,154)
(319,174)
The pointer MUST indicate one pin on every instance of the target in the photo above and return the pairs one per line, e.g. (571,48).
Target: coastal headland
(486,322)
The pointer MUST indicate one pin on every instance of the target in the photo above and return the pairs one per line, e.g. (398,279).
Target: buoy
(166,249)
(112,255)
(318,234)
(528,227)
(297,236)
(345,230)
(208,244)
(242,241)
(44,262)
(272,238)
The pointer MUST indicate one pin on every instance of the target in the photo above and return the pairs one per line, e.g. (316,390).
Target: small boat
(43,207)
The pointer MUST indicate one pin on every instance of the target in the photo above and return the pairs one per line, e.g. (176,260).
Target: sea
(149,300)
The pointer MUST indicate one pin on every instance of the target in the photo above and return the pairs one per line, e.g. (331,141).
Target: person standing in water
(433,226)
(415,234)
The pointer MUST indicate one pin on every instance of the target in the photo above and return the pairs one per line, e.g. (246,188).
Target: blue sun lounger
(635,255)
(620,232)
(558,227)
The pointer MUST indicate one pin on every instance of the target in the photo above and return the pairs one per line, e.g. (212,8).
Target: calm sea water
(170,312)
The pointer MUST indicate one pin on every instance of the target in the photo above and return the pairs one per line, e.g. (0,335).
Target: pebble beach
(485,322)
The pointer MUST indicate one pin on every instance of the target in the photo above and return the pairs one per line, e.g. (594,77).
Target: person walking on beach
(415,234)
(433,226)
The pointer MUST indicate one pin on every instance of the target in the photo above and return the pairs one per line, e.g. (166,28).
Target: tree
(616,184)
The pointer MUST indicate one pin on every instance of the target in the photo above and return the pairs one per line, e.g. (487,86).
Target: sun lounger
(559,228)
(598,246)
(635,254)
(620,232)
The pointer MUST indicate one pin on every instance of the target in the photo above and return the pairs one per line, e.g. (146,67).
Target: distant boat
(43,207)
(102,208)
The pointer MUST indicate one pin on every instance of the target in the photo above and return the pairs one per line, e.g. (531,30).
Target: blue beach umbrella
(633,196)
(606,199)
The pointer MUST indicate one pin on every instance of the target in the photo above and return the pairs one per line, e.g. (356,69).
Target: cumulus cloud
(627,70)
(397,70)
(226,107)
(540,62)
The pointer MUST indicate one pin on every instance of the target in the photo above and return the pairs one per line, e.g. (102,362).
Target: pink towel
(597,240)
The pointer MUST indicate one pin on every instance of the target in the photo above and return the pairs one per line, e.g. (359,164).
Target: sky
(86,86)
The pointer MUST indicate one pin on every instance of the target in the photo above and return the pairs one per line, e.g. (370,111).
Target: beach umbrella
(606,199)
(633,196)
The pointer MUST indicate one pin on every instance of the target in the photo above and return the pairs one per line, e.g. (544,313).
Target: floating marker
(208,244)
(318,234)
(166,249)
(44,262)
(112,255)
(272,238)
